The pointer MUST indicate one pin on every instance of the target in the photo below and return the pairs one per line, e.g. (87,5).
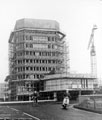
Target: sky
(76,19)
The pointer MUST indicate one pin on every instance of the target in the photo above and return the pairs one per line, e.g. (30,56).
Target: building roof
(36,24)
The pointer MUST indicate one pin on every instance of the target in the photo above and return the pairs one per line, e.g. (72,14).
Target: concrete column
(16,98)
(29,98)
(55,96)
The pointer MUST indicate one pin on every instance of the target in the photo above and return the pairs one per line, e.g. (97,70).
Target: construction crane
(93,53)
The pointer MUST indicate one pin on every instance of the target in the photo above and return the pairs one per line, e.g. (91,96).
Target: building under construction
(39,61)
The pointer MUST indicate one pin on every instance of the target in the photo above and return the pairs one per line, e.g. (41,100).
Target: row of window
(30,68)
(66,86)
(35,37)
(27,76)
(30,61)
(33,53)
(33,45)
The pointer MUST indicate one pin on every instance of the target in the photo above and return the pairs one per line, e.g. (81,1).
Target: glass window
(27,52)
(31,61)
(49,61)
(49,45)
(27,45)
(31,37)
(37,68)
(31,45)
(53,46)
(48,38)
(31,68)
(37,61)
(27,61)
(27,68)
(42,61)
(53,38)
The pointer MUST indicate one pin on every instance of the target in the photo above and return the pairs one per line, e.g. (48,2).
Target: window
(30,52)
(49,46)
(34,61)
(44,53)
(27,52)
(23,61)
(49,68)
(23,76)
(33,53)
(31,61)
(49,53)
(31,45)
(49,61)
(27,37)
(40,53)
(26,45)
(18,61)
(53,61)
(23,68)
(31,68)
(45,61)
(27,76)
(40,68)
(37,53)
(27,68)
(27,61)
(37,68)
(48,38)
(53,53)
(43,68)
(31,37)
(23,37)
(53,46)
(42,61)
(37,61)
(52,38)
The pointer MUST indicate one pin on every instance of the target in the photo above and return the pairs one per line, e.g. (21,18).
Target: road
(52,111)
(10,113)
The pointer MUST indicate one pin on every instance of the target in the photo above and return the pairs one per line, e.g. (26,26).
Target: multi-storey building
(38,60)
(36,49)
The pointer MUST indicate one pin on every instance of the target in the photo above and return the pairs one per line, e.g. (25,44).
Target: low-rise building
(4,91)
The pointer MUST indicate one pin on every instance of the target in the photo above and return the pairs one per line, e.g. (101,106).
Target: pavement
(53,111)
(91,105)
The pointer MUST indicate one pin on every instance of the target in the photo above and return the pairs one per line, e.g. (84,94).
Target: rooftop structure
(37,24)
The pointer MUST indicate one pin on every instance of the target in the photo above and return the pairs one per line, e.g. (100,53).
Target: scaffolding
(12,56)
(66,58)
(34,53)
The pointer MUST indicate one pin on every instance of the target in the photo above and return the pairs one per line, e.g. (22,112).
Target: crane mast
(93,53)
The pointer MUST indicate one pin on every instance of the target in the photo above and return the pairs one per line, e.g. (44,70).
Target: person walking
(35,96)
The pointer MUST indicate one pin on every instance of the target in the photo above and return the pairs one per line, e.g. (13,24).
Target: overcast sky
(76,19)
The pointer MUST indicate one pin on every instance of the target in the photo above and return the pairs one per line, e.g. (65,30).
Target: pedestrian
(36,94)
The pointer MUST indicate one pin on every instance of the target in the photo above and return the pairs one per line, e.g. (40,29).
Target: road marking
(25,113)
(70,106)
(31,116)
(15,109)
